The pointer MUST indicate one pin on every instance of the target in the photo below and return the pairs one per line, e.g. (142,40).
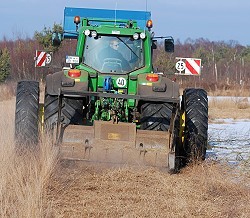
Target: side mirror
(56,39)
(154,44)
(169,45)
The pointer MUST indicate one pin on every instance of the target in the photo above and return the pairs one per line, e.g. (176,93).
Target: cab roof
(140,17)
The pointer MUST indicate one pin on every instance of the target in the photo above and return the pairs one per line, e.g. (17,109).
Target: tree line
(224,64)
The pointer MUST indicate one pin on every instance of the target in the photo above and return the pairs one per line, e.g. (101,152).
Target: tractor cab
(113,54)
(110,45)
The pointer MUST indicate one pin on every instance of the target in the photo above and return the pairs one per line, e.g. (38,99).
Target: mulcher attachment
(115,143)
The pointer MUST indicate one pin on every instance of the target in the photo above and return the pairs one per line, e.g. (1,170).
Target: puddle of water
(229,141)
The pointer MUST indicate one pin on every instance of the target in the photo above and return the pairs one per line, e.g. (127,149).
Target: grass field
(231,107)
(39,185)
(24,175)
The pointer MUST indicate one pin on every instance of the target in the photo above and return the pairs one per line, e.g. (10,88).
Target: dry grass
(34,186)
(236,108)
(205,190)
(23,179)
(7,91)
(230,92)
(23,175)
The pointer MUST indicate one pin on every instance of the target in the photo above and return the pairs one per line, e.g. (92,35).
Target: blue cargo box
(69,13)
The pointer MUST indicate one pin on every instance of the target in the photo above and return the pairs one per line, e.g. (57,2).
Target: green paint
(112,75)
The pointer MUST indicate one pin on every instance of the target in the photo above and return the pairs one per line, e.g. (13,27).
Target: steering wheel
(113,65)
(113,60)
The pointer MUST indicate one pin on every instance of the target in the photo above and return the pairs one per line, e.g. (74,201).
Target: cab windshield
(111,54)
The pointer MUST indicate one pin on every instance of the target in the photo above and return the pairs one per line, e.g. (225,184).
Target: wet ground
(229,140)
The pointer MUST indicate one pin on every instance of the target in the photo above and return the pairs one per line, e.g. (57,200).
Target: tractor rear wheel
(27,113)
(156,116)
(71,112)
(195,103)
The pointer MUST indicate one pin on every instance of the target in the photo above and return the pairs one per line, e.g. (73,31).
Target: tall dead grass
(23,174)
(232,107)
(7,91)
(27,188)
(234,91)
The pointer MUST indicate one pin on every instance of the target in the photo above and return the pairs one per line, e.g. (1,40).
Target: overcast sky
(214,20)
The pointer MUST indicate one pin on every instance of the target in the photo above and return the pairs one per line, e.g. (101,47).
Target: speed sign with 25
(180,65)
(48,58)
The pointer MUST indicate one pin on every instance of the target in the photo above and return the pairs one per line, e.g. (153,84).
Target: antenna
(146,14)
(115,12)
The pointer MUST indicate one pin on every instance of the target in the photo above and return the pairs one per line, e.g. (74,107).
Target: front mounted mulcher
(169,136)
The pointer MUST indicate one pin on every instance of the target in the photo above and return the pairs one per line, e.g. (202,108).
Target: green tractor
(108,103)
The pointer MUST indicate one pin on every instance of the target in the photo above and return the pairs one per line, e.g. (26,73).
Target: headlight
(142,35)
(94,34)
(87,32)
(136,36)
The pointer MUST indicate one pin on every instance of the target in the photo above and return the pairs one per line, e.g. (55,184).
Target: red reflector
(152,77)
(74,73)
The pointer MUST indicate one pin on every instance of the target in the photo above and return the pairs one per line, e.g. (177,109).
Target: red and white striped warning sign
(40,58)
(193,66)
(188,66)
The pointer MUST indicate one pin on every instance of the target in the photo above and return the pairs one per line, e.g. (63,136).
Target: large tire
(195,103)
(71,112)
(156,116)
(27,113)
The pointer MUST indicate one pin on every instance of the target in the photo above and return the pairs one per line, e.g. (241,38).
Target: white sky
(211,19)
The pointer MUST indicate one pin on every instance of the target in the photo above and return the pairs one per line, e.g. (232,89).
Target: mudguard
(57,81)
(163,88)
